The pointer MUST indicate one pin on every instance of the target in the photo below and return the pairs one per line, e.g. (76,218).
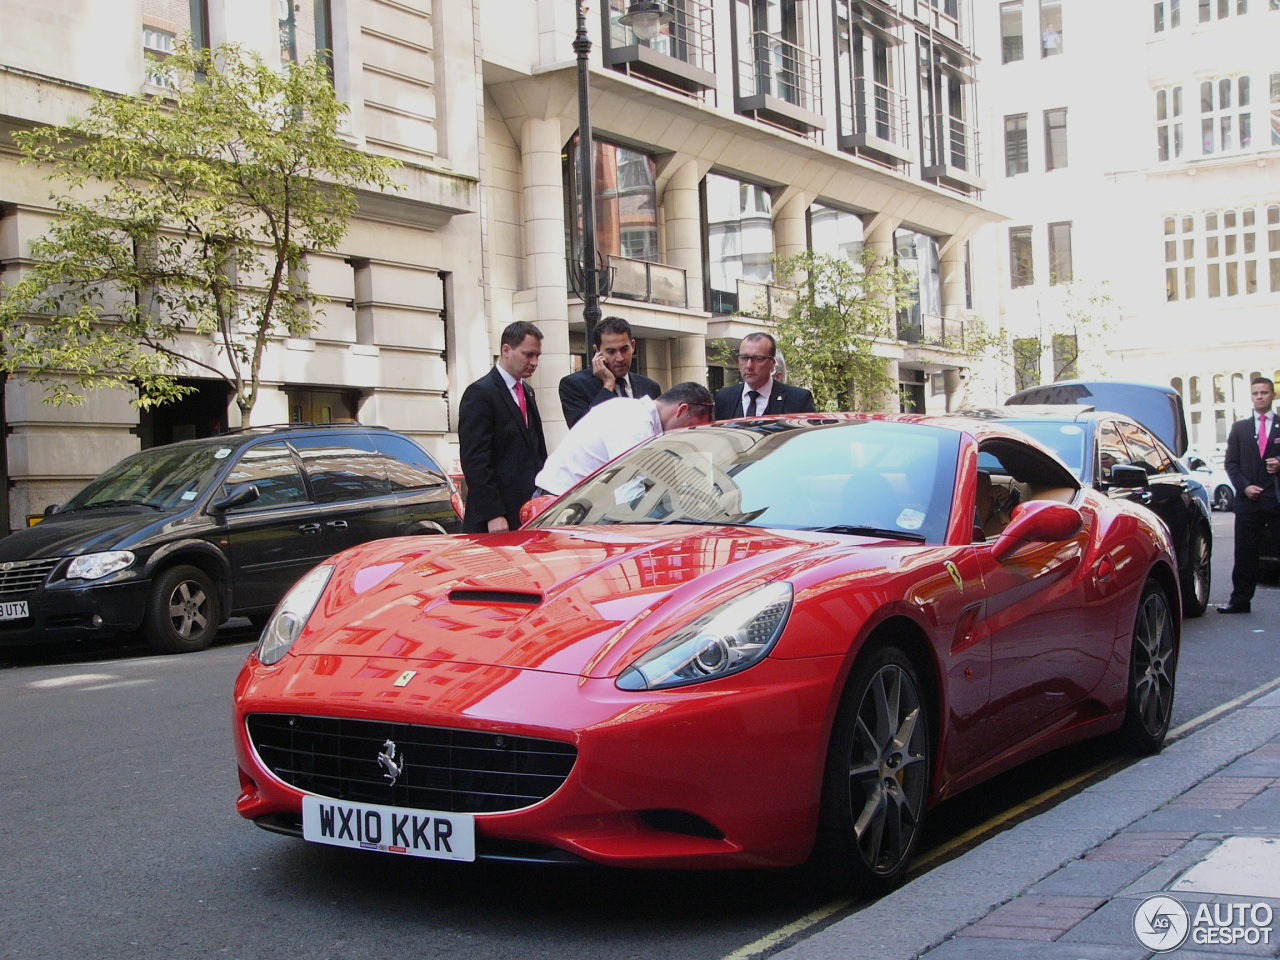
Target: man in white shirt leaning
(611,429)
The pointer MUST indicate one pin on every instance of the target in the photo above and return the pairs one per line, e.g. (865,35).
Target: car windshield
(1068,440)
(876,478)
(162,477)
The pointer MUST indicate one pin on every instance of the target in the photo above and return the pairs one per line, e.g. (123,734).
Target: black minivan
(178,538)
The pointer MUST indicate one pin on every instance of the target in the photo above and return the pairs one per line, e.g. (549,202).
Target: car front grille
(455,771)
(20,577)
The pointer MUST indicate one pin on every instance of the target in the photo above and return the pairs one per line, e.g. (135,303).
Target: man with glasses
(759,393)
(611,429)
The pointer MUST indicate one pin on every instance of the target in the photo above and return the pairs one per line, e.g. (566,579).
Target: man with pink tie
(1252,462)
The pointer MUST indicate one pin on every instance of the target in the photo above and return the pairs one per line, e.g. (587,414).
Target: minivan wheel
(1224,497)
(182,611)
(1196,573)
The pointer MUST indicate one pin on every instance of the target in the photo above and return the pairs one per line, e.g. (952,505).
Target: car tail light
(456,499)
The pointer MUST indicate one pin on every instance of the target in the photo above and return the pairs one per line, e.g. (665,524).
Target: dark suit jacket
(581,391)
(500,455)
(1245,466)
(784,398)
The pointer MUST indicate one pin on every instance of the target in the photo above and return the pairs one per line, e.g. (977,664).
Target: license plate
(369,826)
(14,610)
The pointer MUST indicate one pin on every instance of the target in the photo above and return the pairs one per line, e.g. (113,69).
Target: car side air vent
(495,596)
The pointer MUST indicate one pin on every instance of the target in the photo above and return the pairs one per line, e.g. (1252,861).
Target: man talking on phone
(609,375)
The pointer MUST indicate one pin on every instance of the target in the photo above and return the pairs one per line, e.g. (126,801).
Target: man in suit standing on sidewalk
(1253,449)
(609,375)
(759,393)
(500,435)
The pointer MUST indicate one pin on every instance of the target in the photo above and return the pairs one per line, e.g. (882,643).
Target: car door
(272,540)
(426,498)
(1168,492)
(355,502)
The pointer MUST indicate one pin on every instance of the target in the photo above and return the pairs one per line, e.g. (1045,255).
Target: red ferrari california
(761,643)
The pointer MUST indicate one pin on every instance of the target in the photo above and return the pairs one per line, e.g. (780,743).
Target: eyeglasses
(748,358)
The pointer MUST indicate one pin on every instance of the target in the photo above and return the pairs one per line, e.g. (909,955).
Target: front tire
(1196,574)
(1153,665)
(877,776)
(183,611)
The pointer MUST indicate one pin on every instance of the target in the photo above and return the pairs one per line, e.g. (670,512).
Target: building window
(306,29)
(626,202)
(1055,139)
(918,258)
(1016,159)
(1275,107)
(1179,257)
(1230,242)
(1011,44)
(835,232)
(1169,123)
(157,44)
(1066,353)
(1168,13)
(1050,28)
(1021,273)
(869,67)
(1225,8)
(775,51)
(165,21)
(739,238)
(1224,115)
(1273,245)
(1060,269)
(1026,363)
(945,90)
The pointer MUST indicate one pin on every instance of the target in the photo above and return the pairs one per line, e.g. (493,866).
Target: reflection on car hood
(552,600)
(88,532)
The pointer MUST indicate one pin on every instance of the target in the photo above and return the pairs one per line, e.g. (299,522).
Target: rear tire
(1197,573)
(877,778)
(183,612)
(1224,498)
(1153,665)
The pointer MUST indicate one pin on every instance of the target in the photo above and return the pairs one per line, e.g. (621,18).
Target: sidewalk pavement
(1199,822)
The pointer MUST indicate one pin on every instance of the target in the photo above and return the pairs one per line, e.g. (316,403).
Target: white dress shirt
(762,402)
(604,432)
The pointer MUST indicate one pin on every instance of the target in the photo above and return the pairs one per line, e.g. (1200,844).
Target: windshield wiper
(869,532)
(111,503)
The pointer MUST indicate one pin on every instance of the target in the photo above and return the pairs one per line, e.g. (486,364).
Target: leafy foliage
(828,334)
(184,214)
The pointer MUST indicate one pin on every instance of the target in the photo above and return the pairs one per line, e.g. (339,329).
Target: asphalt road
(120,840)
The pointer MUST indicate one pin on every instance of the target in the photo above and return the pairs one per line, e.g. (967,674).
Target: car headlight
(729,638)
(94,566)
(292,615)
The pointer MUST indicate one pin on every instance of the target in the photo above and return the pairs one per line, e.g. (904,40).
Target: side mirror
(240,495)
(536,506)
(50,510)
(1128,476)
(1038,521)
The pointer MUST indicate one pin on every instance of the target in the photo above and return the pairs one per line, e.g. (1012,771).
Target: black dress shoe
(1234,608)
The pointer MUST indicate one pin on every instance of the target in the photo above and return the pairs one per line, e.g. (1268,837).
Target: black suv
(178,538)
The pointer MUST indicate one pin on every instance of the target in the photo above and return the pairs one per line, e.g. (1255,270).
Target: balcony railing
(929,329)
(753,298)
(951,146)
(682,55)
(648,282)
(781,81)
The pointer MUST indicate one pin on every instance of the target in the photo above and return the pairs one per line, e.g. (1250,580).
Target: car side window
(343,467)
(1111,450)
(409,467)
(1148,452)
(273,469)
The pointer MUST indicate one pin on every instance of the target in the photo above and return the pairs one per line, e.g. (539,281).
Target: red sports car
(768,642)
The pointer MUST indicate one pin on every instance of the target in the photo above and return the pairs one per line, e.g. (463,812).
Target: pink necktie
(1262,435)
(520,402)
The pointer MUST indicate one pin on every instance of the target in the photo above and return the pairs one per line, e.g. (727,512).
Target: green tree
(182,226)
(838,308)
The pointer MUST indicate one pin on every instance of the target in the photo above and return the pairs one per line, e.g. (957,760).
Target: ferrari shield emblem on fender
(955,575)
(404,678)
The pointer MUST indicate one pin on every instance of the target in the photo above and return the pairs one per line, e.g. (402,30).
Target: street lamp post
(590,277)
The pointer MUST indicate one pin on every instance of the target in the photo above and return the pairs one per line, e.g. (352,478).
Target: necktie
(1262,435)
(621,388)
(521,403)
(752,397)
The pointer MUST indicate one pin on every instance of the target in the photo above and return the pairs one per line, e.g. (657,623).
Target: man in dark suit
(610,374)
(759,393)
(500,435)
(1252,451)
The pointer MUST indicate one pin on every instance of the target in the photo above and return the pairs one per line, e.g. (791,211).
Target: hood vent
(495,596)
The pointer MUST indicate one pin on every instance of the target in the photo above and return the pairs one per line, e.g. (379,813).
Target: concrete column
(543,194)
(689,360)
(789,234)
(951,273)
(684,230)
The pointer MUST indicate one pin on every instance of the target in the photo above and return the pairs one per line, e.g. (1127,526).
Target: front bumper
(75,610)
(722,774)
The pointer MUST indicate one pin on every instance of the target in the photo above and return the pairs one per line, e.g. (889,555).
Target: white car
(1222,494)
